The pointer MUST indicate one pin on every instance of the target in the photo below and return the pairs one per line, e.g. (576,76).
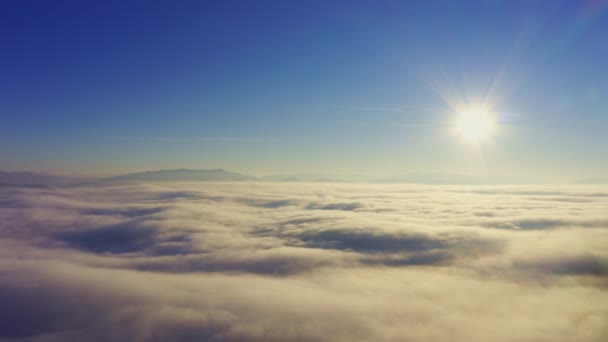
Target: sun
(474,125)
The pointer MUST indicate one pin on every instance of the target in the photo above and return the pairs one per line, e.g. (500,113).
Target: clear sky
(264,87)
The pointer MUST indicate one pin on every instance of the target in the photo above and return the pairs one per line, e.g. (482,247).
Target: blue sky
(310,86)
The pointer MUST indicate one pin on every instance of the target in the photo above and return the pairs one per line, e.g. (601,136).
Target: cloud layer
(303,262)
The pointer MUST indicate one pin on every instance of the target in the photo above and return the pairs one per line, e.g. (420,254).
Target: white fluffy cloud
(303,262)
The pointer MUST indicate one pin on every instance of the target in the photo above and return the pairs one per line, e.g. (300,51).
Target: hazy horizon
(412,177)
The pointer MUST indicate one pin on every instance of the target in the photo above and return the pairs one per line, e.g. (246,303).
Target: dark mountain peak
(183,175)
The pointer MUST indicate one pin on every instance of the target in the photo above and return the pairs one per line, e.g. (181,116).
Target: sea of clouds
(304,262)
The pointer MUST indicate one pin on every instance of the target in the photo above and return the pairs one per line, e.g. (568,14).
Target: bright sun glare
(474,125)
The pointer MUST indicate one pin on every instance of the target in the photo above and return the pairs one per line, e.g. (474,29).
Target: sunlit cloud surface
(303,262)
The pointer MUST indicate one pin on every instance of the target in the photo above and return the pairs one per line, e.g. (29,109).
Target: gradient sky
(303,86)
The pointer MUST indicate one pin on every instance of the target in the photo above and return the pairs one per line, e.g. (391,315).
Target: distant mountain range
(34,179)
(24,178)
(315,177)
(431,178)
(182,175)
(596,180)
